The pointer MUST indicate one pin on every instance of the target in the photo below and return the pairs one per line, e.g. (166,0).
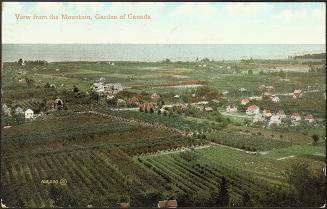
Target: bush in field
(315,139)
(189,156)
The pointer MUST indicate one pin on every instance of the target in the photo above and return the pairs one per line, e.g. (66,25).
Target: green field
(108,156)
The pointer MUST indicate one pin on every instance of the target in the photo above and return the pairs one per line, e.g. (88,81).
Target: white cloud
(301,14)
(247,8)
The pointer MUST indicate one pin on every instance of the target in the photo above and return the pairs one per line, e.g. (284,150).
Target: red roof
(296,114)
(253,107)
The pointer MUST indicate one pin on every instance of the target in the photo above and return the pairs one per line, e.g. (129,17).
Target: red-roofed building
(245,101)
(253,109)
(296,117)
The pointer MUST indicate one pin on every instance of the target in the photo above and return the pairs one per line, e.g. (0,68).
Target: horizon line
(183,43)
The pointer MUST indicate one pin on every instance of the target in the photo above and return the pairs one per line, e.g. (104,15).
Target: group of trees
(32,62)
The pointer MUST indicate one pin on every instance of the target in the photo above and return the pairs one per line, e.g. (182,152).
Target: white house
(155,96)
(275,99)
(309,118)
(275,119)
(6,110)
(177,96)
(296,117)
(258,118)
(231,108)
(281,114)
(253,109)
(19,111)
(29,114)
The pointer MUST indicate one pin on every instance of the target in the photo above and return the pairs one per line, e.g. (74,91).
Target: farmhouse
(19,111)
(231,108)
(275,99)
(267,96)
(155,96)
(6,110)
(245,101)
(51,105)
(309,118)
(121,103)
(296,117)
(147,107)
(59,104)
(297,94)
(167,204)
(269,89)
(281,114)
(253,109)
(275,119)
(109,88)
(177,96)
(258,118)
(29,114)
(134,101)
(267,113)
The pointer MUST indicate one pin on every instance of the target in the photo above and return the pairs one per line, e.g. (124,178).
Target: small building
(275,99)
(297,94)
(231,108)
(6,110)
(121,103)
(245,101)
(296,117)
(208,109)
(242,89)
(281,114)
(59,104)
(167,204)
(215,101)
(51,105)
(309,118)
(267,113)
(270,89)
(253,109)
(147,107)
(258,118)
(155,96)
(177,96)
(134,101)
(267,96)
(19,111)
(29,114)
(275,119)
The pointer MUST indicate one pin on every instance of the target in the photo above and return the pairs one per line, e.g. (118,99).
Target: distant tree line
(32,62)
(311,56)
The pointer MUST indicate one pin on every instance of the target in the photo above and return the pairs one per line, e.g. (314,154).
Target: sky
(170,23)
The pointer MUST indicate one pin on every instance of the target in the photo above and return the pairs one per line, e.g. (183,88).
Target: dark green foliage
(315,139)
(309,186)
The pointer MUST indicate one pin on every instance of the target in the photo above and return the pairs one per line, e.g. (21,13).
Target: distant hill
(311,56)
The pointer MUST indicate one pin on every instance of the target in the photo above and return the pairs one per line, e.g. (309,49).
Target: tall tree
(223,196)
